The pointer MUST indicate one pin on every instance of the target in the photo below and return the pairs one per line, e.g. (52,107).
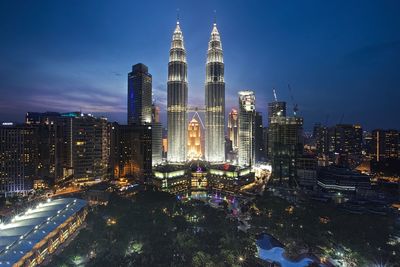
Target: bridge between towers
(196,111)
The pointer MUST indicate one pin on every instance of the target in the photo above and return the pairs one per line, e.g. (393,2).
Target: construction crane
(295,106)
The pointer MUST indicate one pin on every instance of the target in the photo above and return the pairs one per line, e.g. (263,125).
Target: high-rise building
(132,152)
(194,140)
(86,146)
(321,137)
(139,95)
(347,139)
(233,128)
(265,140)
(286,144)
(247,112)
(177,98)
(342,143)
(259,138)
(19,146)
(156,133)
(385,144)
(215,100)
(276,108)
(50,131)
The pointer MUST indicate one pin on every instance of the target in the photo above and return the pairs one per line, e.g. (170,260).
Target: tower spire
(177,91)
(177,16)
(215,99)
(215,17)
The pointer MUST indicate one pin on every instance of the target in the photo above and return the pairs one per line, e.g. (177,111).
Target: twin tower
(177,103)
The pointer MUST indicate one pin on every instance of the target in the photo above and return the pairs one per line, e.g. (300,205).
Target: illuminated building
(215,100)
(50,131)
(201,175)
(228,177)
(247,112)
(259,138)
(333,178)
(347,139)
(194,140)
(276,108)
(32,236)
(139,95)
(233,128)
(171,178)
(321,136)
(156,139)
(342,143)
(165,146)
(385,144)
(286,144)
(177,91)
(132,153)
(86,146)
(19,146)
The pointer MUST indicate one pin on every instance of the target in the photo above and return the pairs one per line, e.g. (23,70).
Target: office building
(19,147)
(51,143)
(286,145)
(260,154)
(247,112)
(156,133)
(86,146)
(132,155)
(342,143)
(139,95)
(385,144)
(233,129)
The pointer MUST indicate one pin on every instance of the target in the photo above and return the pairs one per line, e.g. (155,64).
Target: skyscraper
(132,153)
(247,112)
(139,95)
(19,146)
(385,144)
(194,140)
(50,130)
(215,100)
(86,146)
(286,144)
(177,98)
(259,138)
(156,136)
(233,128)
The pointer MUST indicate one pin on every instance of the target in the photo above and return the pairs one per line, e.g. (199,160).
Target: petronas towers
(215,100)
(177,102)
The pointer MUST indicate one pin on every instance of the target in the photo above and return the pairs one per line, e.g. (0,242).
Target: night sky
(341,58)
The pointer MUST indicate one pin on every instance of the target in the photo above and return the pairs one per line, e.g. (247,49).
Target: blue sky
(340,57)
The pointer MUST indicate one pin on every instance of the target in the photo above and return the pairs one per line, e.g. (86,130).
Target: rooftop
(27,229)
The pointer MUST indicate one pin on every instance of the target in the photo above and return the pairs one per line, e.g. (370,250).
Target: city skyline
(166,134)
(355,63)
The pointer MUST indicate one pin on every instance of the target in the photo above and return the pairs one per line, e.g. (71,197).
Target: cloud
(89,100)
(372,53)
